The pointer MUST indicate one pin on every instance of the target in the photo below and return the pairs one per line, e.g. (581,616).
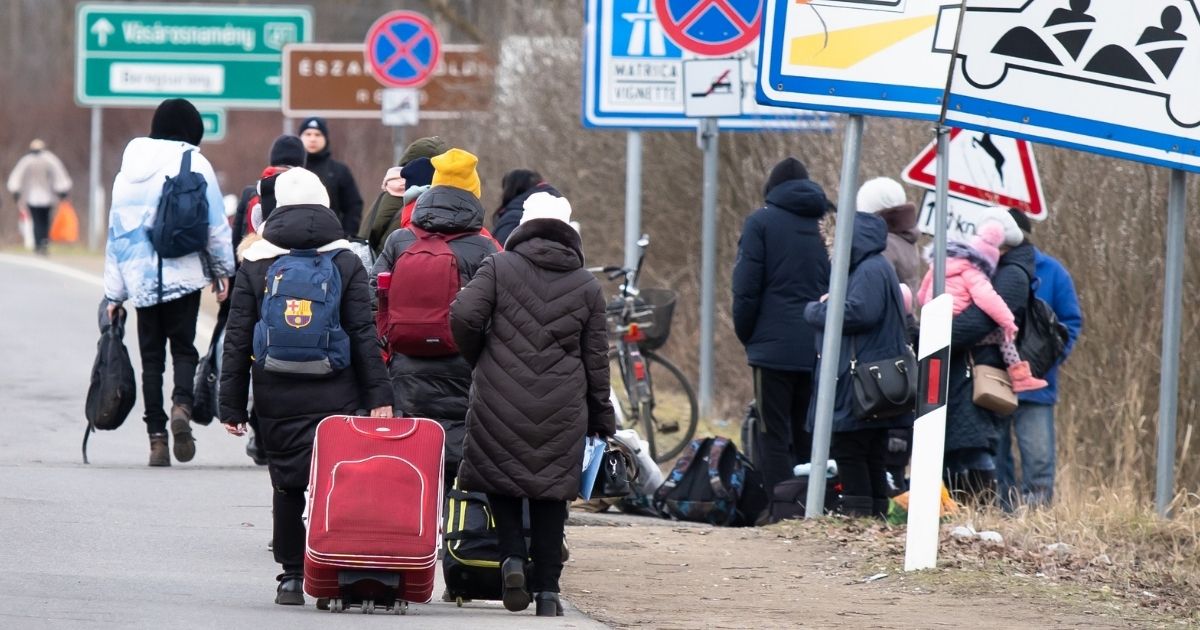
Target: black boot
(290,591)
(879,508)
(857,506)
(548,605)
(512,578)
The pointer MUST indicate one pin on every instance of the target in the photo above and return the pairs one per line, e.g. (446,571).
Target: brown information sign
(332,80)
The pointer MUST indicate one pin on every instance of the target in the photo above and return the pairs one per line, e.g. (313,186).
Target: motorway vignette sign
(216,55)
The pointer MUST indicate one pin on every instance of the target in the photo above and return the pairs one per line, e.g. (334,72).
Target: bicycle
(639,324)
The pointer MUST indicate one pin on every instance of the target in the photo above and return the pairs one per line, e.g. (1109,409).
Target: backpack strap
(714,467)
(185,164)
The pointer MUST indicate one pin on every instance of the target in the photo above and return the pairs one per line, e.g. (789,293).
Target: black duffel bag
(113,391)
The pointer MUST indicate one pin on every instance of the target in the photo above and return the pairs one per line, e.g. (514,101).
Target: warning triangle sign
(985,168)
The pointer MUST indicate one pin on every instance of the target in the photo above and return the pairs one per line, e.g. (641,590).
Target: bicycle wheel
(673,408)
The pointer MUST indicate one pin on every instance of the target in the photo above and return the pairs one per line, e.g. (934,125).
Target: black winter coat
(289,409)
(532,323)
(874,325)
(344,198)
(782,265)
(509,217)
(437,387)
(968,426)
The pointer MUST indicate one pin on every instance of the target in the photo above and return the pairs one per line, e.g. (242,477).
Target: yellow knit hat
(456,168)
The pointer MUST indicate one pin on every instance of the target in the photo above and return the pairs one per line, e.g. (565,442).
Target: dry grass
(1106,545)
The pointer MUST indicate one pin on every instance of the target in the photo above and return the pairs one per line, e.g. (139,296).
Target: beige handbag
(992,389)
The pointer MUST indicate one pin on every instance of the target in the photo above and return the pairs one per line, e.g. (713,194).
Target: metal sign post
(709,136)
(1168,389)
(941,210)
(712,89)
(633,196)
(97,223)
(831,348)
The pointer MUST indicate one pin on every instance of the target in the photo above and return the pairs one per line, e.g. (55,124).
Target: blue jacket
(781,266)
(873,326)
(1056,289)
(130,262)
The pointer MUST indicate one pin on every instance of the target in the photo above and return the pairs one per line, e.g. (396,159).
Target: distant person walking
(39,181)
(781,266)
(1033,421)
(344,198)
(165,291)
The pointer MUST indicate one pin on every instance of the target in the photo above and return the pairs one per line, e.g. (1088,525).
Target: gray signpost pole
(708,264)
(942,201)
(97,225)
(633,196)
(1168,391)
(831,348)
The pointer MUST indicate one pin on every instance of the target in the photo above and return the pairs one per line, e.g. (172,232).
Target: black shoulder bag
(886,388)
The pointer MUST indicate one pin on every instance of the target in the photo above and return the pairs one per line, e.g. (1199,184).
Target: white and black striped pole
(929,436)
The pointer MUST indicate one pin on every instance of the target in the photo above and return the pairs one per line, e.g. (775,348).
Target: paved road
(120,545)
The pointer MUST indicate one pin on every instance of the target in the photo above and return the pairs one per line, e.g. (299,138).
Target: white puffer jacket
(131,264)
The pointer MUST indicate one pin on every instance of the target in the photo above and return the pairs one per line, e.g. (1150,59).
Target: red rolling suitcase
(375,502)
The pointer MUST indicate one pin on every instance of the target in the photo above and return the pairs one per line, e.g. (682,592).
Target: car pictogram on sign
(1075,39)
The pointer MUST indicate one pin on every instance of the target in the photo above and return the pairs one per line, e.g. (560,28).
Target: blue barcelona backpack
(299,332)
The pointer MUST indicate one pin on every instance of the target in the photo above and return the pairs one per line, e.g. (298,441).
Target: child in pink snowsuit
(969,267)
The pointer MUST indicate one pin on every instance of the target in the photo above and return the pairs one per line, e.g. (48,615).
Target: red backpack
(425,281)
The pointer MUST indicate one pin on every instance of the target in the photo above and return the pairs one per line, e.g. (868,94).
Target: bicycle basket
(661,303)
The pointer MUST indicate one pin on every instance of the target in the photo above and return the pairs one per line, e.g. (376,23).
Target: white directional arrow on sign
(102,29)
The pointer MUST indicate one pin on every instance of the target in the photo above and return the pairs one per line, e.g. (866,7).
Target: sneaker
(290,591)
(159,455)
(181,430)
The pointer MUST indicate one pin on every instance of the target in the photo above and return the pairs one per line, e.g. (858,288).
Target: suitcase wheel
(322,603)
(337,605)
(368,607)
(400,607)
(459,601)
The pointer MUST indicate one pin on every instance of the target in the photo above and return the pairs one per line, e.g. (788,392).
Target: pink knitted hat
(988,239)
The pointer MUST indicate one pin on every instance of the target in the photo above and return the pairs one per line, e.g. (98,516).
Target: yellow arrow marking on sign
(849,47)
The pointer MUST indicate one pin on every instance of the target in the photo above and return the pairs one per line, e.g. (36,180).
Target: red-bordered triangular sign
(985,168)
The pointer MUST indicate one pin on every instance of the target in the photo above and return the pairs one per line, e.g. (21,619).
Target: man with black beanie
(344,198)
(166,291)
(782,265)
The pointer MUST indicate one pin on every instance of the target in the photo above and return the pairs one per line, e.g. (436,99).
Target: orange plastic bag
(65,228)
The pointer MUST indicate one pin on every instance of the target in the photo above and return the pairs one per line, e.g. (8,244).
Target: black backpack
(713,483)
(205,395)
(181,223)
(1042,341)
(113,391)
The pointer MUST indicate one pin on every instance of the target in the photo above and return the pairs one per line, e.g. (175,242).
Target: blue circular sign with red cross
(710,27)
(403,49)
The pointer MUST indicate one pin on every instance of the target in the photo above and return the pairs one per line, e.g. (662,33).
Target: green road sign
(218,55)
(215,124)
